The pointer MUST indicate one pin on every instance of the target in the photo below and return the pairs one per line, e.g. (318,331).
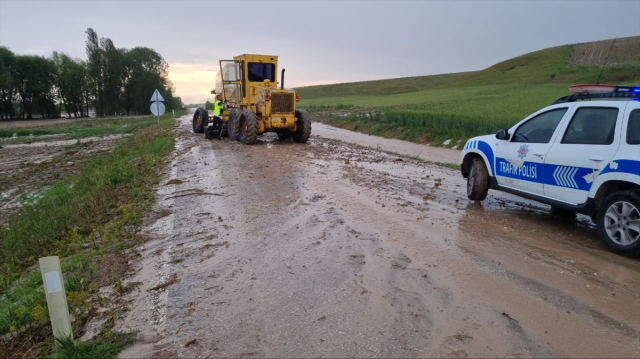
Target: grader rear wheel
(200,120)
(247,127)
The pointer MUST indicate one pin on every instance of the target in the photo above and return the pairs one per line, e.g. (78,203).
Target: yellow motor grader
(253,103)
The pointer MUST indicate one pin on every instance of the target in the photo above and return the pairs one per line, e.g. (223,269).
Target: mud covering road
(333,250)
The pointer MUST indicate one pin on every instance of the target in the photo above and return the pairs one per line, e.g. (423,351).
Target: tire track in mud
(334,250)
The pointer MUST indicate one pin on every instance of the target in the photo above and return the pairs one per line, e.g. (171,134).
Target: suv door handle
(538,154)
(596,159)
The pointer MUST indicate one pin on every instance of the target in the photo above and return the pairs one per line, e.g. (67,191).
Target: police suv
(577,155)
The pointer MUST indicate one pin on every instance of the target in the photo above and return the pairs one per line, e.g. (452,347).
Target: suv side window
(592,126)
(633,128)
(540,128)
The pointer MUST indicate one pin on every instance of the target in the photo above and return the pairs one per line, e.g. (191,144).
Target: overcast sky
(317,42)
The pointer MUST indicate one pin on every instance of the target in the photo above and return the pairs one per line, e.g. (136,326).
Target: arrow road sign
(157,96)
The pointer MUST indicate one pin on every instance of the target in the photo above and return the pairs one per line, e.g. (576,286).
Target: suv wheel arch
(465,167)
(608,188)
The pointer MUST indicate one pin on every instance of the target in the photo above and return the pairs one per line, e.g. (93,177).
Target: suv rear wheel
(618,221)
(478,180)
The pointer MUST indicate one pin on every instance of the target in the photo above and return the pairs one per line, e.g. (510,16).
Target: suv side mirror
(503,135)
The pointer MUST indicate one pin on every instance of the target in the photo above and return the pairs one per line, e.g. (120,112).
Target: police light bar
(596,89)
(600,92)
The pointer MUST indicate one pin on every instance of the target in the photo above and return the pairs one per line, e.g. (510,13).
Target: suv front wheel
(478,180)
(619,222)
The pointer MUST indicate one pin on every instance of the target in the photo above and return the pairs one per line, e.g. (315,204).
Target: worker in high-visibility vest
(217,115)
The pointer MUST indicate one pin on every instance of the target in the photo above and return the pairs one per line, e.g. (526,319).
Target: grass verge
(107,347)
(89,219)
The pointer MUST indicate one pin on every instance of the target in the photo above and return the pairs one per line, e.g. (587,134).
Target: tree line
(111,81)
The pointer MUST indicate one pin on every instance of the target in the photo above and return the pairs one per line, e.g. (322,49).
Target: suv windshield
(258,72)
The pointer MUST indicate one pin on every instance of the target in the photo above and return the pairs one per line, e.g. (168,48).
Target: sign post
(157,107)
(56,298)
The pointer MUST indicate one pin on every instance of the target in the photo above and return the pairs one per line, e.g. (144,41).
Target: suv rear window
(633,129)
(592,126)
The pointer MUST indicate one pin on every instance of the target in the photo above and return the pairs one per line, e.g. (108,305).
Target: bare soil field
(35,123)
(51,122)
(26,167)
(332,249)
(621,51)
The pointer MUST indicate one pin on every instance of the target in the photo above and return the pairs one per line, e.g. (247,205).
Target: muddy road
(334,250)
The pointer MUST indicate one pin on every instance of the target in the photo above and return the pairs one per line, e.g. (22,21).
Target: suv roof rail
(619,92)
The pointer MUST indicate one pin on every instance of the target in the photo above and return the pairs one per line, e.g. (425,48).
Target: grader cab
(254,104)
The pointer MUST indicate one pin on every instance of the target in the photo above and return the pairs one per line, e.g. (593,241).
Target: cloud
(193,82)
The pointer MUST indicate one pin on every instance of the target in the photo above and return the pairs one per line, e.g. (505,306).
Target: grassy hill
(380,87)
(433,108)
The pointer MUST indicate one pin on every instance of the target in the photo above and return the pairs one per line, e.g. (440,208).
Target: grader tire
(232,122)
(303,127)
(200,120)
(247,127)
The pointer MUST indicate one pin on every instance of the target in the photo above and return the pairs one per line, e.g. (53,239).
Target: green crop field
(431,109)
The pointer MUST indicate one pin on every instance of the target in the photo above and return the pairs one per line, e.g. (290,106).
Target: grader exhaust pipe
(282,80)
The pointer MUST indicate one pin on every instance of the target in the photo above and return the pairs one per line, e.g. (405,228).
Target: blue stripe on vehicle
(529,171)
(580,178)
(623,166)
(488,152)
(568,176)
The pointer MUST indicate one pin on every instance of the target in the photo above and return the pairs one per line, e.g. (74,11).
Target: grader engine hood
(283,101)
(279,101)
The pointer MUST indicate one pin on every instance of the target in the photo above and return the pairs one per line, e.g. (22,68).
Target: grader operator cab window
(258,72)
(230,70)
(231,75)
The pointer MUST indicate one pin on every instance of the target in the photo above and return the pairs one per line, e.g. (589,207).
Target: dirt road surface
(334,250)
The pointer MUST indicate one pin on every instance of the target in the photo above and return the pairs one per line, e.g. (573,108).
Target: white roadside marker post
(56,298)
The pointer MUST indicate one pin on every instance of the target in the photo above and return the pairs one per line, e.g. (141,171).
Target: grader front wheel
(303,127)
(247,127)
